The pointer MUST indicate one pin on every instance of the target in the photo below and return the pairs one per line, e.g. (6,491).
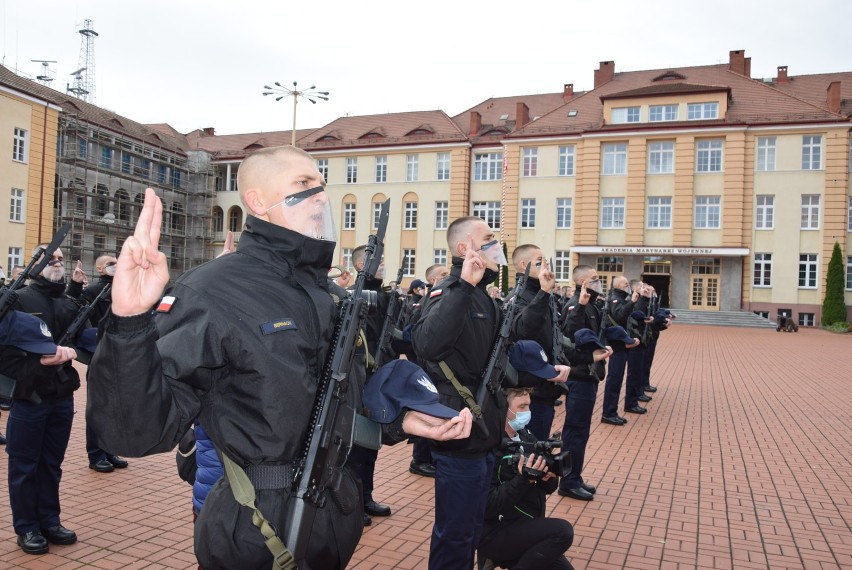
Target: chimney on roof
(209,131)
(475,123)
(522,115)
(782,75)
(833,97)
(568,91)
(739,63)
(604,73)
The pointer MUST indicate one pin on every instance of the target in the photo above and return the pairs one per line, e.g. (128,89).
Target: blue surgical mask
(521,420)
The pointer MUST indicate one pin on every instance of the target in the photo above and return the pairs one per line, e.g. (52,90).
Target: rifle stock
(79,320)
(331,430)
(391,319)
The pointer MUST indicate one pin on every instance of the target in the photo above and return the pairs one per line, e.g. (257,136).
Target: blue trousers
(650,351)
(541,421)
(36,439)
(635,376)
(363,462)
(579,405)
(461,494)
(614,379)
(421,450)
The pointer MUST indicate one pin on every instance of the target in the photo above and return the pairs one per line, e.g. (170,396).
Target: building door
(705,277)
(656,272)
(608,268)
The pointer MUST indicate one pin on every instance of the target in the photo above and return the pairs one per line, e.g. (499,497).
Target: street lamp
(308,94)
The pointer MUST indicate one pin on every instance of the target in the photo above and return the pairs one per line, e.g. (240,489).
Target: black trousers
(536,544)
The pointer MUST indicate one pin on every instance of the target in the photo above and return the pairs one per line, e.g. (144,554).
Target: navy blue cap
(587,339)
(662,314)
(402,384)
(416,284)
(88,339)
(638,315)
(529,356)
(618,334)
(27,332)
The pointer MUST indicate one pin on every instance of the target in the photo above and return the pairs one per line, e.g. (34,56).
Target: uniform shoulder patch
(615,301)
(436,293)
(278,325)
(166,304)
(571,308)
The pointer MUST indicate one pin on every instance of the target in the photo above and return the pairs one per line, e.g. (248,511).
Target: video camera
(556,461)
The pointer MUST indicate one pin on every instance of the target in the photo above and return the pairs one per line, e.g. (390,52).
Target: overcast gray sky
(196,64)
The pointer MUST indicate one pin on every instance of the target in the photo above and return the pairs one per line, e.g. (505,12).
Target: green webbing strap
(282,558)
(463,391)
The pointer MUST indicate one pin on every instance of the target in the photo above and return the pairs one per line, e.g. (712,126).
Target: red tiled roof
(665,89)
(238,146)
(813,88)
(493,110)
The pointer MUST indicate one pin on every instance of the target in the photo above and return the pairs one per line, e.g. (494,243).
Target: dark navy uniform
(241,348)
(619,306)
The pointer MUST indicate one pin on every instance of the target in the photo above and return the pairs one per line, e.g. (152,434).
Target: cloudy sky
(196,64)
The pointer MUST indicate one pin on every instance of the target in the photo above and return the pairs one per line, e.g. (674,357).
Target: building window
(443,166)
(409,256)
(663,113)
(80,205)
(530,161)
(99,243)
(488,211)
(349,216)
(126,163)
(709,156)
(808,270)
(563,213)
(609,265)
(412,167)
(439,256)
(612,213)
(806,319)
(176,178)
(615,158)
(235,220)
(106,157)
(162,174)
(849,272)
(76,240)
(660,212)
(765,212)
(811,152)
(810,212)
(661,157)
(410,216)
(566,160)
(346,255)
(625,115)
(561,265)
(849,216)
(377,214)
(381,169)
(322,166)
(442,215)
(528,213)
(708,212)
(699,111)
(233,180)
(488,166)
(15,257)
(16,210)
(19,145)
(762,270)
(351,170)
(765,154)
(218,221)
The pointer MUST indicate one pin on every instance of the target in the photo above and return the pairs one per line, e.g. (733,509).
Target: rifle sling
(244,494)
(463,391)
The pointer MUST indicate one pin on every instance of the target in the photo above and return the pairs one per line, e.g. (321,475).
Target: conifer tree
(834,304)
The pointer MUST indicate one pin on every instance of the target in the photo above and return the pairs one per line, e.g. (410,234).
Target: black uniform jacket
(92,291)
(534,321)
(512,495)
(48,302)
(578,317)
(458,324)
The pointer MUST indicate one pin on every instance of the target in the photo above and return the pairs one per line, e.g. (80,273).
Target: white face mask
(110,270)
(595,286)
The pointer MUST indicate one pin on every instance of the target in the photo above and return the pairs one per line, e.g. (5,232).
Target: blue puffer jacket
(209,468)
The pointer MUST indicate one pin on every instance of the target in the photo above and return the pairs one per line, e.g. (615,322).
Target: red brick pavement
(743,461)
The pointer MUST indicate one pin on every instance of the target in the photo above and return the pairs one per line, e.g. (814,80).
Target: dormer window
(663,113)
(625,115)
(702,111)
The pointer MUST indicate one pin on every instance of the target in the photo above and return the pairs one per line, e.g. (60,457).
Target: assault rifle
(34,267)
(77,324)
(496,367)
(395,309)
(332,428)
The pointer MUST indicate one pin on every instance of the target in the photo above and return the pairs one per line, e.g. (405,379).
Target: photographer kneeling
(517,535)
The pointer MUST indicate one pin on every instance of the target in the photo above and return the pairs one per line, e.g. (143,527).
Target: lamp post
(308,94)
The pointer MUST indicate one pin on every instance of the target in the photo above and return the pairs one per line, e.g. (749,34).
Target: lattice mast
(84,77)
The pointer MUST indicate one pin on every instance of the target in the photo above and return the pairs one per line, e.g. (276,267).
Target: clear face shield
(493,252)
(309,213)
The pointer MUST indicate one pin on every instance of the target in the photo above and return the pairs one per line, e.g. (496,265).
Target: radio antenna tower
(46,75)
(84,78)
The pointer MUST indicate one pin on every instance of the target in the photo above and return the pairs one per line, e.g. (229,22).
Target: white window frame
(322,166)
(17,205)
(622,115)
(412,167)
(527,213)
(20,145)
(488,211)
(439,256)
(562,265)
(766,147)
(812,152)
(488,166)
(443,166)
(15,257)
(764,212)
(349,216)
(708,212)
(410,256)
(849,216)
(659,215)
(346,254)
(612,213)
(410,221)
(564,213)
(614,159)
(849,272)
(377,214)
(807,319)
(381,169)
(702,111)
(709,156)
(762,271)
(808,270)
(661,157)
(530,161)
(810,212)
(352,170)
(442,215)
(566,160)
(663,113)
